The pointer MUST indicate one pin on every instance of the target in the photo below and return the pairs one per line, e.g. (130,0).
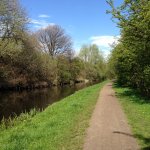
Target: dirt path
(109,129)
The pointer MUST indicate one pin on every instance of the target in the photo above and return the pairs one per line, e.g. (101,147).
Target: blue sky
(85,21)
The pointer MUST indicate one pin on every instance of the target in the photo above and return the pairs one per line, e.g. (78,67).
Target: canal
(13,103)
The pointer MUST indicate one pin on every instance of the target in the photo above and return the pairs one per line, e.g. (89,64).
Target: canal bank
(60,126)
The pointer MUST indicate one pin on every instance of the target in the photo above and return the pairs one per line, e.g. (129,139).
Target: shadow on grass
(133,94)
(146,141)
(146,148)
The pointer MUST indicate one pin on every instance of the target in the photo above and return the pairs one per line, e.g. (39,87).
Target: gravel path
(109,129)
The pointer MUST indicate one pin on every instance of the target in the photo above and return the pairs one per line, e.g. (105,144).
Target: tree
(133,54)
(76,68)
(13,19)
(84,51)
(90,53)
(94,65)
(63,67)
(54,41)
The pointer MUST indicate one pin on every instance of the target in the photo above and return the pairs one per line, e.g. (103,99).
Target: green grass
(137,110)
(62,126)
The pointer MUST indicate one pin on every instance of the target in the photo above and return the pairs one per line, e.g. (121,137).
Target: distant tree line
(130,59)
(45,57)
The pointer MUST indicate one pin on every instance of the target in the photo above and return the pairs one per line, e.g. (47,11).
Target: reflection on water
(13,103)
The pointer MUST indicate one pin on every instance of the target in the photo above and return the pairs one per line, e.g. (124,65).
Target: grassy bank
(137,110)
(61,126)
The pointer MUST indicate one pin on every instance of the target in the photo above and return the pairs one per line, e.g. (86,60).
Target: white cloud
(40,23)
(105,42)
(43,16)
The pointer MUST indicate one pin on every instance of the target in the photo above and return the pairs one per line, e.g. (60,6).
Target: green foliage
(76,67)
(131,58)
(61,126)
(94,65)
(9,50)
(69,69)
(64,74)
(22,64)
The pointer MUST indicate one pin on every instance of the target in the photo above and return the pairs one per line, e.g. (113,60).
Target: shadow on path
(141,137)
(124,133)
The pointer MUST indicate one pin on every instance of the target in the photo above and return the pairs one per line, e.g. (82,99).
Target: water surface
(13,103)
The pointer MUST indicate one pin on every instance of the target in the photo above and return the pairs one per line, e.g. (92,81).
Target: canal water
(14,103)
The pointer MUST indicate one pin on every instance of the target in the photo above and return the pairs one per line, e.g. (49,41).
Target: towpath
(109,129)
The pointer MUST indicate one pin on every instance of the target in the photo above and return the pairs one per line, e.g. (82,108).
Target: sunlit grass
(62,126)
(137,110)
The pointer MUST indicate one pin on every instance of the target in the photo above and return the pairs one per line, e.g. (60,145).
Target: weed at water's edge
(10,122)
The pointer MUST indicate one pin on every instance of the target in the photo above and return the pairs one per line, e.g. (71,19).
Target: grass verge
(61,126)
(137,110)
